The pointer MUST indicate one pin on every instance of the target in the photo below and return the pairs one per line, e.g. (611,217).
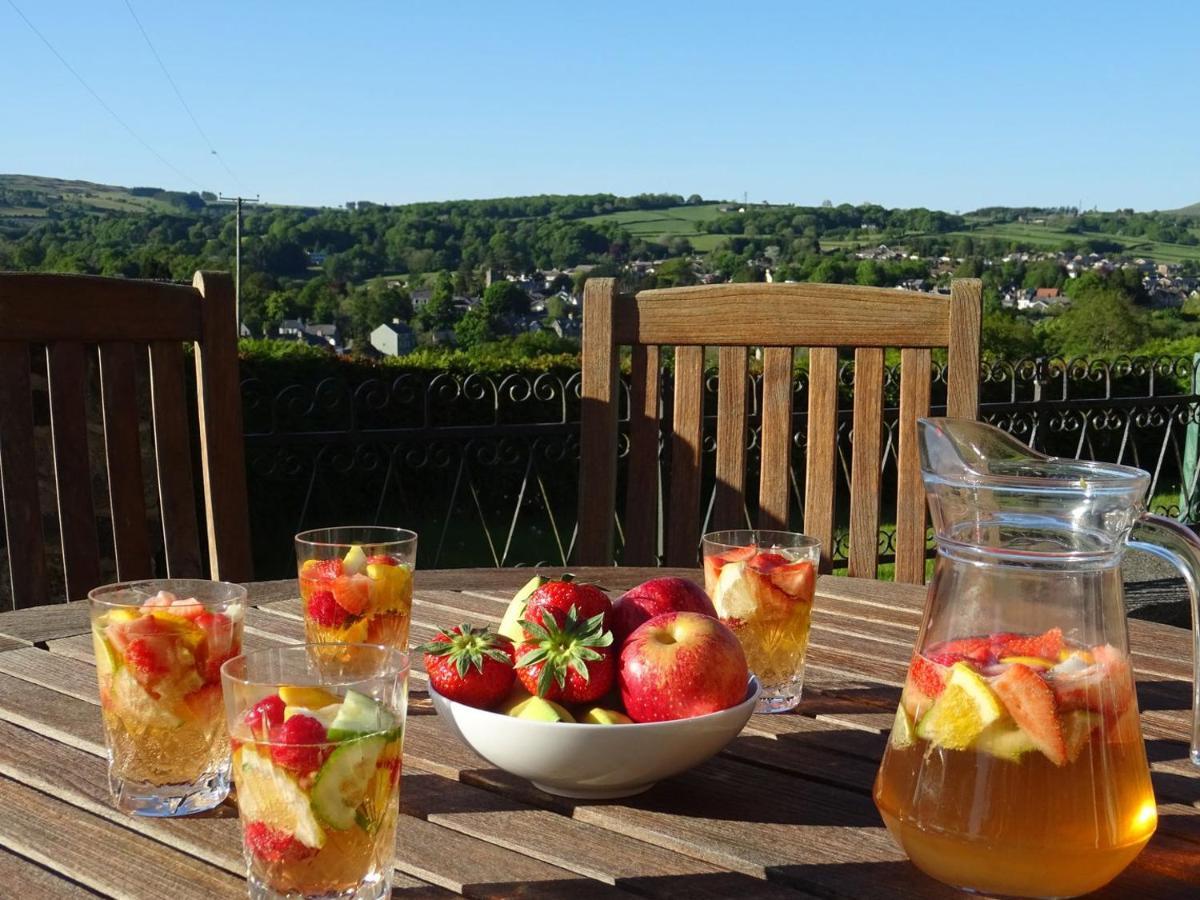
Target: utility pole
(237,256)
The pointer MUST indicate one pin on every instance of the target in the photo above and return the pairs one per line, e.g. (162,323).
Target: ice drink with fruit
(356,584)
(159,648)
(761,584)
(316,763)
(1033,743)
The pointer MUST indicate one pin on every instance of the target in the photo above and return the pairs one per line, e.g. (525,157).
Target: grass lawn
(651,224)
(1052,238)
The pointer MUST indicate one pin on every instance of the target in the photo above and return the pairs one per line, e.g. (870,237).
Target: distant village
(1164,285)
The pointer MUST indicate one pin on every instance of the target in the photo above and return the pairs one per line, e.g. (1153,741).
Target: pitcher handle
(1180,546)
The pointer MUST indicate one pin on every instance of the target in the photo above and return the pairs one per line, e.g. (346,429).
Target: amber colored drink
(1031,786)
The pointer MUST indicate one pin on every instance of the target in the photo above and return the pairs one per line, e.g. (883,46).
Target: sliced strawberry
(765,561)
(712,571)
(796,580)
(187,609)
(161,600)
(275,846)
(148,660)
(325,569)
(769,600)
(1104,687)
(381,559)
(976,650)
(324,609)
(739,554)
(299,745)
(1030,701)
(929,678)
(352,593)
(120,634)
(1046,646)
(204,704)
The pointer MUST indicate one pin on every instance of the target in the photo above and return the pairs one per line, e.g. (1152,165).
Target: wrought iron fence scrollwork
(486,466)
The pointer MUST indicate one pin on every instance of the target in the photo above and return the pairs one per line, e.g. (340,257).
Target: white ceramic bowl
(595,762)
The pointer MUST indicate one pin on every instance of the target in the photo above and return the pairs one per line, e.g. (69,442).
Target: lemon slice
(266,793)
(732,596)
(965,708)
(307,696)
(902,735)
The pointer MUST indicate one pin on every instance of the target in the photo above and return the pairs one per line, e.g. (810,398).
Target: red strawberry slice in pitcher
(1030,701)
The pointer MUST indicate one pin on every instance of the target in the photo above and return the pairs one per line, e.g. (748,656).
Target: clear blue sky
(947,105)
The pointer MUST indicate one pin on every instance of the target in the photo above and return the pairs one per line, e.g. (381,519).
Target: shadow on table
(1164,695)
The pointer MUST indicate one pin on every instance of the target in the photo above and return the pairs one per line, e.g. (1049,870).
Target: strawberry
(352,593)
(1104,687)
(275,846)
(219,644)
(204,704)
(296,745)
(572,663)
(147,660)
(714,563)
(796,580)
(1046,646)
(555,599)
(929,678)
(326,611)
(381,559)
(767,561)
(1030,701)
(325,570)
(976,650)
(470,666)
(265,715)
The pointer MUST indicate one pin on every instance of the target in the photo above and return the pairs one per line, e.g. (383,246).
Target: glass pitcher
(1016,764)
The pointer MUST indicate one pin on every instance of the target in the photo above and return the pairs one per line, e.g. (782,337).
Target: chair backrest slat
(729,504)
(222,451)
(775,457)
(67,370)
(598,426)
(962,383)
(123,455)
(910,491)
(865,466)
(173,454)
(820,480)
(687,433)
(642,487)
(825,319)
(18,477)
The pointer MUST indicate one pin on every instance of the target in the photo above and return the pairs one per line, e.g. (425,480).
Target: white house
(393,338)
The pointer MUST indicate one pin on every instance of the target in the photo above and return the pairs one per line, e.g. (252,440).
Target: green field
(1051,238)
(83,195)
(657,224)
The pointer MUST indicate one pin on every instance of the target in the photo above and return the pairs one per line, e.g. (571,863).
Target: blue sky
(947,105)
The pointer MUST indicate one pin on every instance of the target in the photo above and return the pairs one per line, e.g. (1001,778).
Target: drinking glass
(356,584)
(317,732)
(159,648)
(761,583)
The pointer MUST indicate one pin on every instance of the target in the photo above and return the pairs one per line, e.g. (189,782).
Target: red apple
(653,598)
(681,664)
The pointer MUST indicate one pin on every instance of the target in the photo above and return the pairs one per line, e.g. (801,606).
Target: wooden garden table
(784,811)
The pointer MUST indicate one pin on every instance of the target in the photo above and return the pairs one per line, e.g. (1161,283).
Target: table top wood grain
(784,811)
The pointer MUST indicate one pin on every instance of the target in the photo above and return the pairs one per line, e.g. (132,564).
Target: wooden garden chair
(778,318)
(124,329)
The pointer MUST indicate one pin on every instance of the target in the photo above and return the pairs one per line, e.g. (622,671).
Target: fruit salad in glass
(761,584)
(356,584)
(316,763)
(159,648)
(1016,765)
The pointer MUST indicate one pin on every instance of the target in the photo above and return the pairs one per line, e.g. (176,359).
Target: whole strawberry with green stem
(470,666)
(555,599)
(571,662)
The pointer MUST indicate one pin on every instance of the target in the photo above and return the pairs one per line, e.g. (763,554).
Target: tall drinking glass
(317,756)
(761,583)
(356,583)
(159,649)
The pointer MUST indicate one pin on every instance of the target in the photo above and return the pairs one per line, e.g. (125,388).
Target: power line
(137,137)
(211,149)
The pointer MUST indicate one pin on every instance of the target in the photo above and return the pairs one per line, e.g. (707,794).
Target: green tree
(1102,320)
(438,312)
(503,298)
(675,272)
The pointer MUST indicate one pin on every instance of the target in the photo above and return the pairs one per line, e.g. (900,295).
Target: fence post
(1191,449)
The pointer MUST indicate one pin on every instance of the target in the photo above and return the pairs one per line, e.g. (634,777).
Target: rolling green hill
(29,197)
(675,221)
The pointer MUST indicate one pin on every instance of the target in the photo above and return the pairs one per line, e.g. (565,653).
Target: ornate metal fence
(486,468)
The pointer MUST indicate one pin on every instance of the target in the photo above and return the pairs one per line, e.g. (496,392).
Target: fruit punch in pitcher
(1016,764)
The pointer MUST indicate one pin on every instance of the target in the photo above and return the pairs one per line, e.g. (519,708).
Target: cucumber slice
(267,793)
(343,780)
(359,715)
(108,660)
